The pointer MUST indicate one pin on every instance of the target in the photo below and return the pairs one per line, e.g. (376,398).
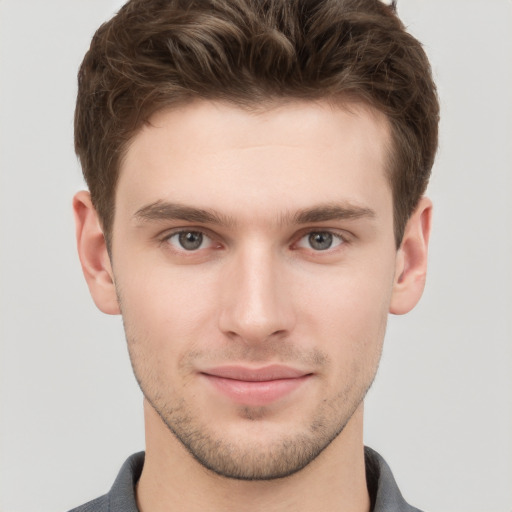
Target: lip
(255,386)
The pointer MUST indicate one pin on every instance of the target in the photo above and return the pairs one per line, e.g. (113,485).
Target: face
(253,258)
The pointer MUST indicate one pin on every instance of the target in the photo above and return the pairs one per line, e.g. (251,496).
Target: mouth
(256,386)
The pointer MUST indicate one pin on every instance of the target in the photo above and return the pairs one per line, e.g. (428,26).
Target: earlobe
(92,250)
(411,260)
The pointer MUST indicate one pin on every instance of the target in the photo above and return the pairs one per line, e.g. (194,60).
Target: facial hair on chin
(251,460)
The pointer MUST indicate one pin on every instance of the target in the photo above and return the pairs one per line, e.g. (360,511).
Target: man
(256,173)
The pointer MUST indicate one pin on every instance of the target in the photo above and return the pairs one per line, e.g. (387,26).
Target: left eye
(320,240)
(189,240)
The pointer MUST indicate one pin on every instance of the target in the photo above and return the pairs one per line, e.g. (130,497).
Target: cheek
(162,324)
(166,309)
(347,309)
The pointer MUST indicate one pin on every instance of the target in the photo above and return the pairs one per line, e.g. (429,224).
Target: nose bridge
(256,305)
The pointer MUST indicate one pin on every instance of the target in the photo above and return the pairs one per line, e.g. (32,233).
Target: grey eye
(320,241)
(190,240)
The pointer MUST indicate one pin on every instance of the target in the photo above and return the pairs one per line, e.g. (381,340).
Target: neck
(173,480)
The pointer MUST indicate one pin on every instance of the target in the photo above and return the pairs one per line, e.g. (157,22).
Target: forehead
(285,154)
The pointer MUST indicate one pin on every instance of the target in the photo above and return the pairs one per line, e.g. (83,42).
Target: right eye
(189,240)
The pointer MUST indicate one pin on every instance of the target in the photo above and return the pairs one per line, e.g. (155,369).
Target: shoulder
(121,497)
(98,505)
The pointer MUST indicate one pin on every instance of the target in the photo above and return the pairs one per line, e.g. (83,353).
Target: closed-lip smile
(255,386)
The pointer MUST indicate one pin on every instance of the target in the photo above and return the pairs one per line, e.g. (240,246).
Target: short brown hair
(155,54)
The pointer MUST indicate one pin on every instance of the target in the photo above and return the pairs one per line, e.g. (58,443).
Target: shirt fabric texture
(384,493)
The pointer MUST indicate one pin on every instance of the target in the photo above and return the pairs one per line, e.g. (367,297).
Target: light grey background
(441,408)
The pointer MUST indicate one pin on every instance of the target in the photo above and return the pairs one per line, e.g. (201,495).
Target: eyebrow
(165,211)
(331,211)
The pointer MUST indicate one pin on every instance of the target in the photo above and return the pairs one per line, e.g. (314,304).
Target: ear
(92,250)
(411,260)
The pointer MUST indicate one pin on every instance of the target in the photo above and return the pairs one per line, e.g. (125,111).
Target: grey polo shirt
(384,493)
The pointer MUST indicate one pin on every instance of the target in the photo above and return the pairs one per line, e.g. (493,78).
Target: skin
(297,266)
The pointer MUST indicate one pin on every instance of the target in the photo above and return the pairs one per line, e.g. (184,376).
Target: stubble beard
(250,460)
(247,459)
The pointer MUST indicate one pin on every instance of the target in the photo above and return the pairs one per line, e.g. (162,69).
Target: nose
(256,302)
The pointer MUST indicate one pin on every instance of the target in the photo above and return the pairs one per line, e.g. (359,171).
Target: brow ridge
(163,210)
(332,211)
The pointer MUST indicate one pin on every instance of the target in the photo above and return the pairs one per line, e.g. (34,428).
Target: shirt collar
(384,492)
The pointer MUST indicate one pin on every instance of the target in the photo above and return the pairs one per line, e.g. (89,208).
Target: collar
(384,492)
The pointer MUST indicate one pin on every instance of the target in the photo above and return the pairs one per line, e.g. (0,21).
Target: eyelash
(336,238)
(169,236)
